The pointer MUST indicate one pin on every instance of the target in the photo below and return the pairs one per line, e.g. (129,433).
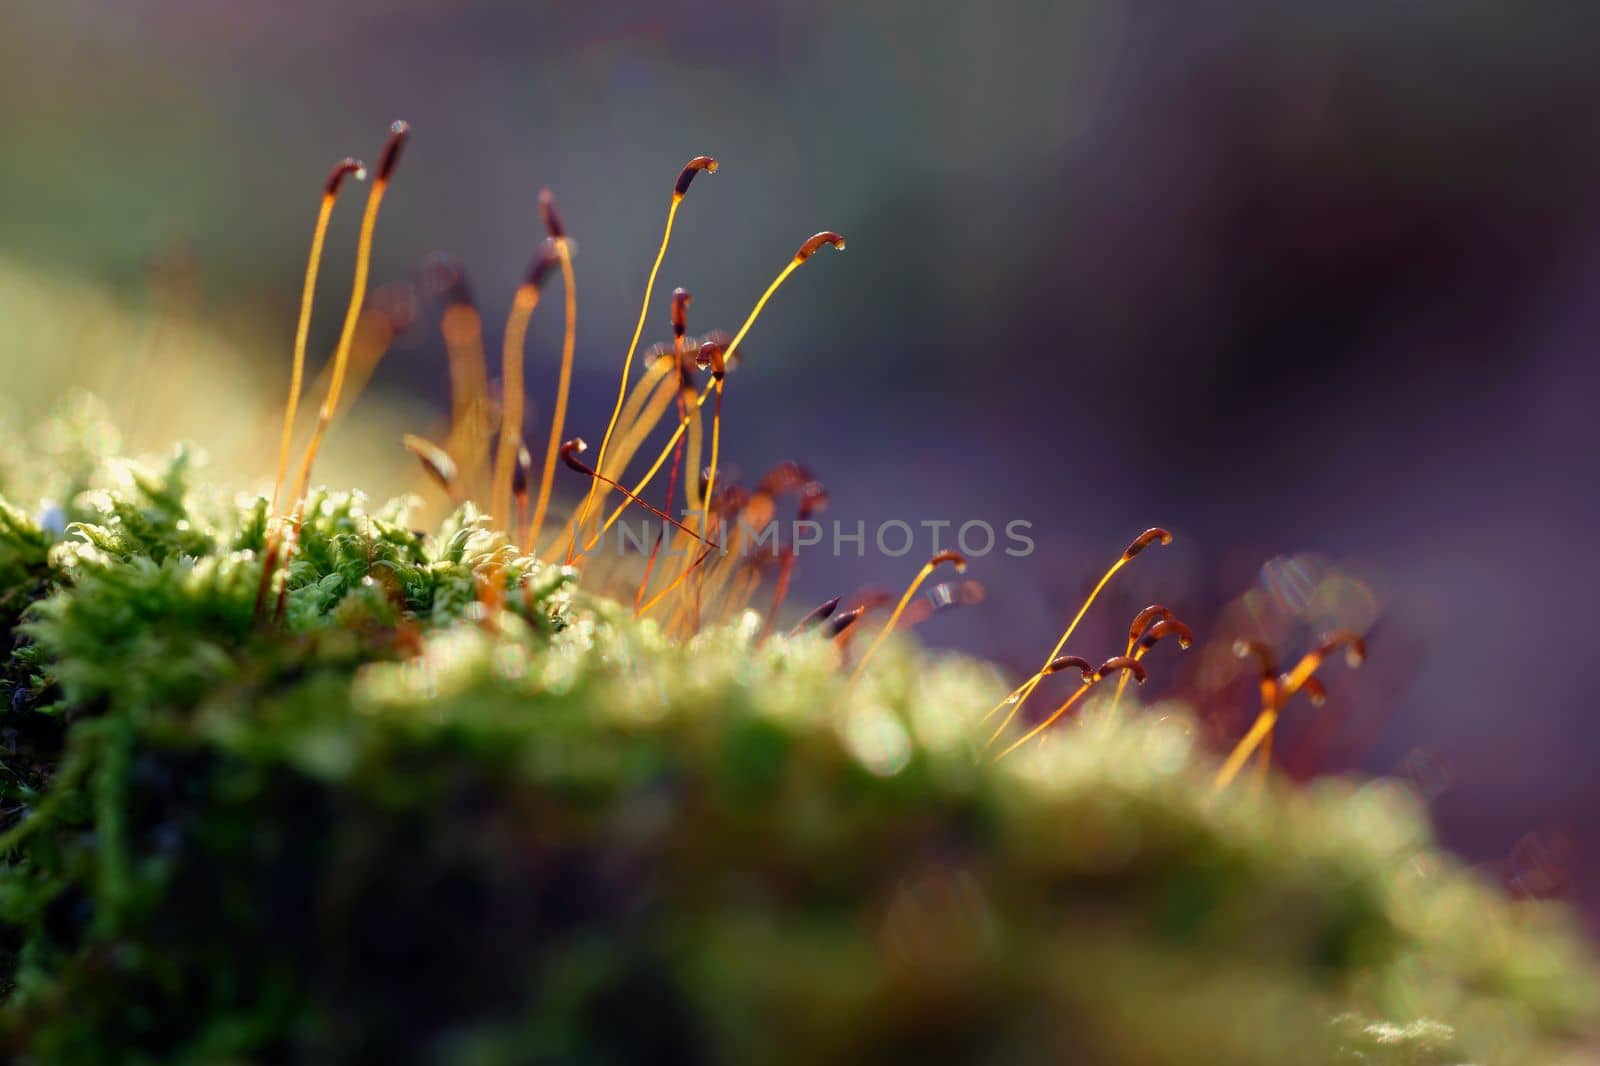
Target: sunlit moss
(389,827)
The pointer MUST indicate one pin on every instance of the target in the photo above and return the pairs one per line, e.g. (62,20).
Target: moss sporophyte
(287,779)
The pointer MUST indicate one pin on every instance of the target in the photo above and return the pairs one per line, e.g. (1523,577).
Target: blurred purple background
(1284,277)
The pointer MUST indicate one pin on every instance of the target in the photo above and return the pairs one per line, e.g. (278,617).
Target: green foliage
(385,828)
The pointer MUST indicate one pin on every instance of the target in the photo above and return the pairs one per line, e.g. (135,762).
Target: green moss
(381,831)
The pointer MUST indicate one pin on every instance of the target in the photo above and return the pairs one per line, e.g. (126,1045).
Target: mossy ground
(389,829)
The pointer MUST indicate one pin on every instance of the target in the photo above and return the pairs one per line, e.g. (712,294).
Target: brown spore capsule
(690,169)
(844,621)
(1141,621)
(341,170)
(1147,538)
(711,354)
(816,615)
(1121,662)
(815,242)
(570,450)
(1170,627)
(399,133)
(1071,662)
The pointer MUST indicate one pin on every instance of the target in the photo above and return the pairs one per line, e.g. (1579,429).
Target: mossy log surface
(386,828)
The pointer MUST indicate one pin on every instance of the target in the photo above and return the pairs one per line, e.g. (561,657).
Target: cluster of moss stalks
(388,829)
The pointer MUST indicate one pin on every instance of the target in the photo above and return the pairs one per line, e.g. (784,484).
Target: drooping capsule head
(1170,627)
(1144,540)
(570,452)
(1315,691)
(345,168)
(1121,662)
(1075,662)
(1141,621)
(816,241)
(953,557)
(399,132)
(712,354)
(698,352)
(690,169)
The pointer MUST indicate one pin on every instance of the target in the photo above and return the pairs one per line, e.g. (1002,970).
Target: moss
(383,830)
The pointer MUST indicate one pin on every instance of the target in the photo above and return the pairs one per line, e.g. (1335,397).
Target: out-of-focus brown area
(1312,285)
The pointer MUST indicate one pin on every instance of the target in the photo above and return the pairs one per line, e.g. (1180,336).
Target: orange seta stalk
(713,354)
(513,400)
(679,191)
(319,234)
(1020,694)
(398,134)
(569,338)
(1121,663)
(1276,691)
(577,446)
(1149,639)
(680,299)
(955,558)
(806,251)
(672,587)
